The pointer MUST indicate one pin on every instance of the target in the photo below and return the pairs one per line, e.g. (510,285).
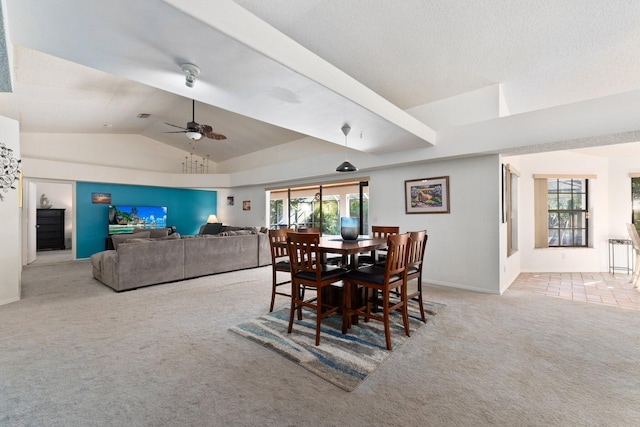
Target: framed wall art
(427,195)
(101,198)
(246,205)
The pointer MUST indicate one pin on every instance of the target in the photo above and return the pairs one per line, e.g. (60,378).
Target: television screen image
(124,219)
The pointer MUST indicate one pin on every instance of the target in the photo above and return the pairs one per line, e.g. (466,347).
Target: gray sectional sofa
(143,261)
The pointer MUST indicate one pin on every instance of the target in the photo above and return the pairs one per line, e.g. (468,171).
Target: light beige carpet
(75,353)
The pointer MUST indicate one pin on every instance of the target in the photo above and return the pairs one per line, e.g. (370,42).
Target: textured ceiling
(542,53)
(412,52)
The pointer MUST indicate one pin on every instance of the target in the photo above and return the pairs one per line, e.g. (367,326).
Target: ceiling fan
(194,130)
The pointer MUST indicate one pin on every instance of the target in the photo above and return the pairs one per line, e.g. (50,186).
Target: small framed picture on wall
(229,200)
(101,198)
(246,205)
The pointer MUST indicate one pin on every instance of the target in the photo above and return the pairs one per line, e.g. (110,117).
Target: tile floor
(597,288)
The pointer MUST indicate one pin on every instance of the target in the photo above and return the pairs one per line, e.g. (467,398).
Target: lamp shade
(212,218)
(346,167)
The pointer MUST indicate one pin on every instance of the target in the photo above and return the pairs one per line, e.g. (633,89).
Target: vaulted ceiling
(275,72)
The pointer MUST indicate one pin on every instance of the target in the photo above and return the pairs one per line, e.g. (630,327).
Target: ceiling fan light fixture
(193,135)
(346,166)
(191,72)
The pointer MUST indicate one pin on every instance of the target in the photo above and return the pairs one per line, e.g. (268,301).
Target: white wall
(592,259)
(11,247)
(115,150)
(462,250)
(235,215)
(509,265)
(619,193)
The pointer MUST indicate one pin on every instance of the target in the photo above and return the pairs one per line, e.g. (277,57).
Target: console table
(628,248)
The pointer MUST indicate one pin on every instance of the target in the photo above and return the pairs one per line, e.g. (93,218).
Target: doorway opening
(48,222)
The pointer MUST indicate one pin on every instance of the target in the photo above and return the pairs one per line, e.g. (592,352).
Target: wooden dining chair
(305,272)
(315,230)
(378,257)
(381,279)
(414,268)
(279,262)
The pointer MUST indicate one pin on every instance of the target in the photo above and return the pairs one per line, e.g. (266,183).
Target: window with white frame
(562,211)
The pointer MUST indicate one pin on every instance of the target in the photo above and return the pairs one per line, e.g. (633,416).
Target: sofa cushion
(153,232)
(121,238)
(219,254)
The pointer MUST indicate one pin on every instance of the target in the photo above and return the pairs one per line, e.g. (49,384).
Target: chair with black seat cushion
(279,262)
(381,279)
(305,272)
(378,257)
(414,267)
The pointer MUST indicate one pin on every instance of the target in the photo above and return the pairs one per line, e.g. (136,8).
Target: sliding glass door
(319,206)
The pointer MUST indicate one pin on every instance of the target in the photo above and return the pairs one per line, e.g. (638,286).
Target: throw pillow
(121,238)
(212,228)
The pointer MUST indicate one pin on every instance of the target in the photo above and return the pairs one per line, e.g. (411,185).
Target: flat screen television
(124,219)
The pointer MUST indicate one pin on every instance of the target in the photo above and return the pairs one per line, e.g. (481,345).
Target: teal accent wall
(187,210)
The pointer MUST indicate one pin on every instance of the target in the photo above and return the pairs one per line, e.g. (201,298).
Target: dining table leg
(346,306)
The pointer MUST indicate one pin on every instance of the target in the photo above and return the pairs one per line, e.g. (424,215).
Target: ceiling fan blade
(179,127)
(207,131)
(178,131)
(216,136)
(204,128)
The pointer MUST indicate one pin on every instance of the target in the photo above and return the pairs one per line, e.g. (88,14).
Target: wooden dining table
(351,248)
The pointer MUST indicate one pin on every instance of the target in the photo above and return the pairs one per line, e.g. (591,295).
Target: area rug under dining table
(345,360)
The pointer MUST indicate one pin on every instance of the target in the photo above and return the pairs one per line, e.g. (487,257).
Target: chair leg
(294,302)
(405,318)
(318,315)
(385,316)
(273,291)
(420,304)
(346,304)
